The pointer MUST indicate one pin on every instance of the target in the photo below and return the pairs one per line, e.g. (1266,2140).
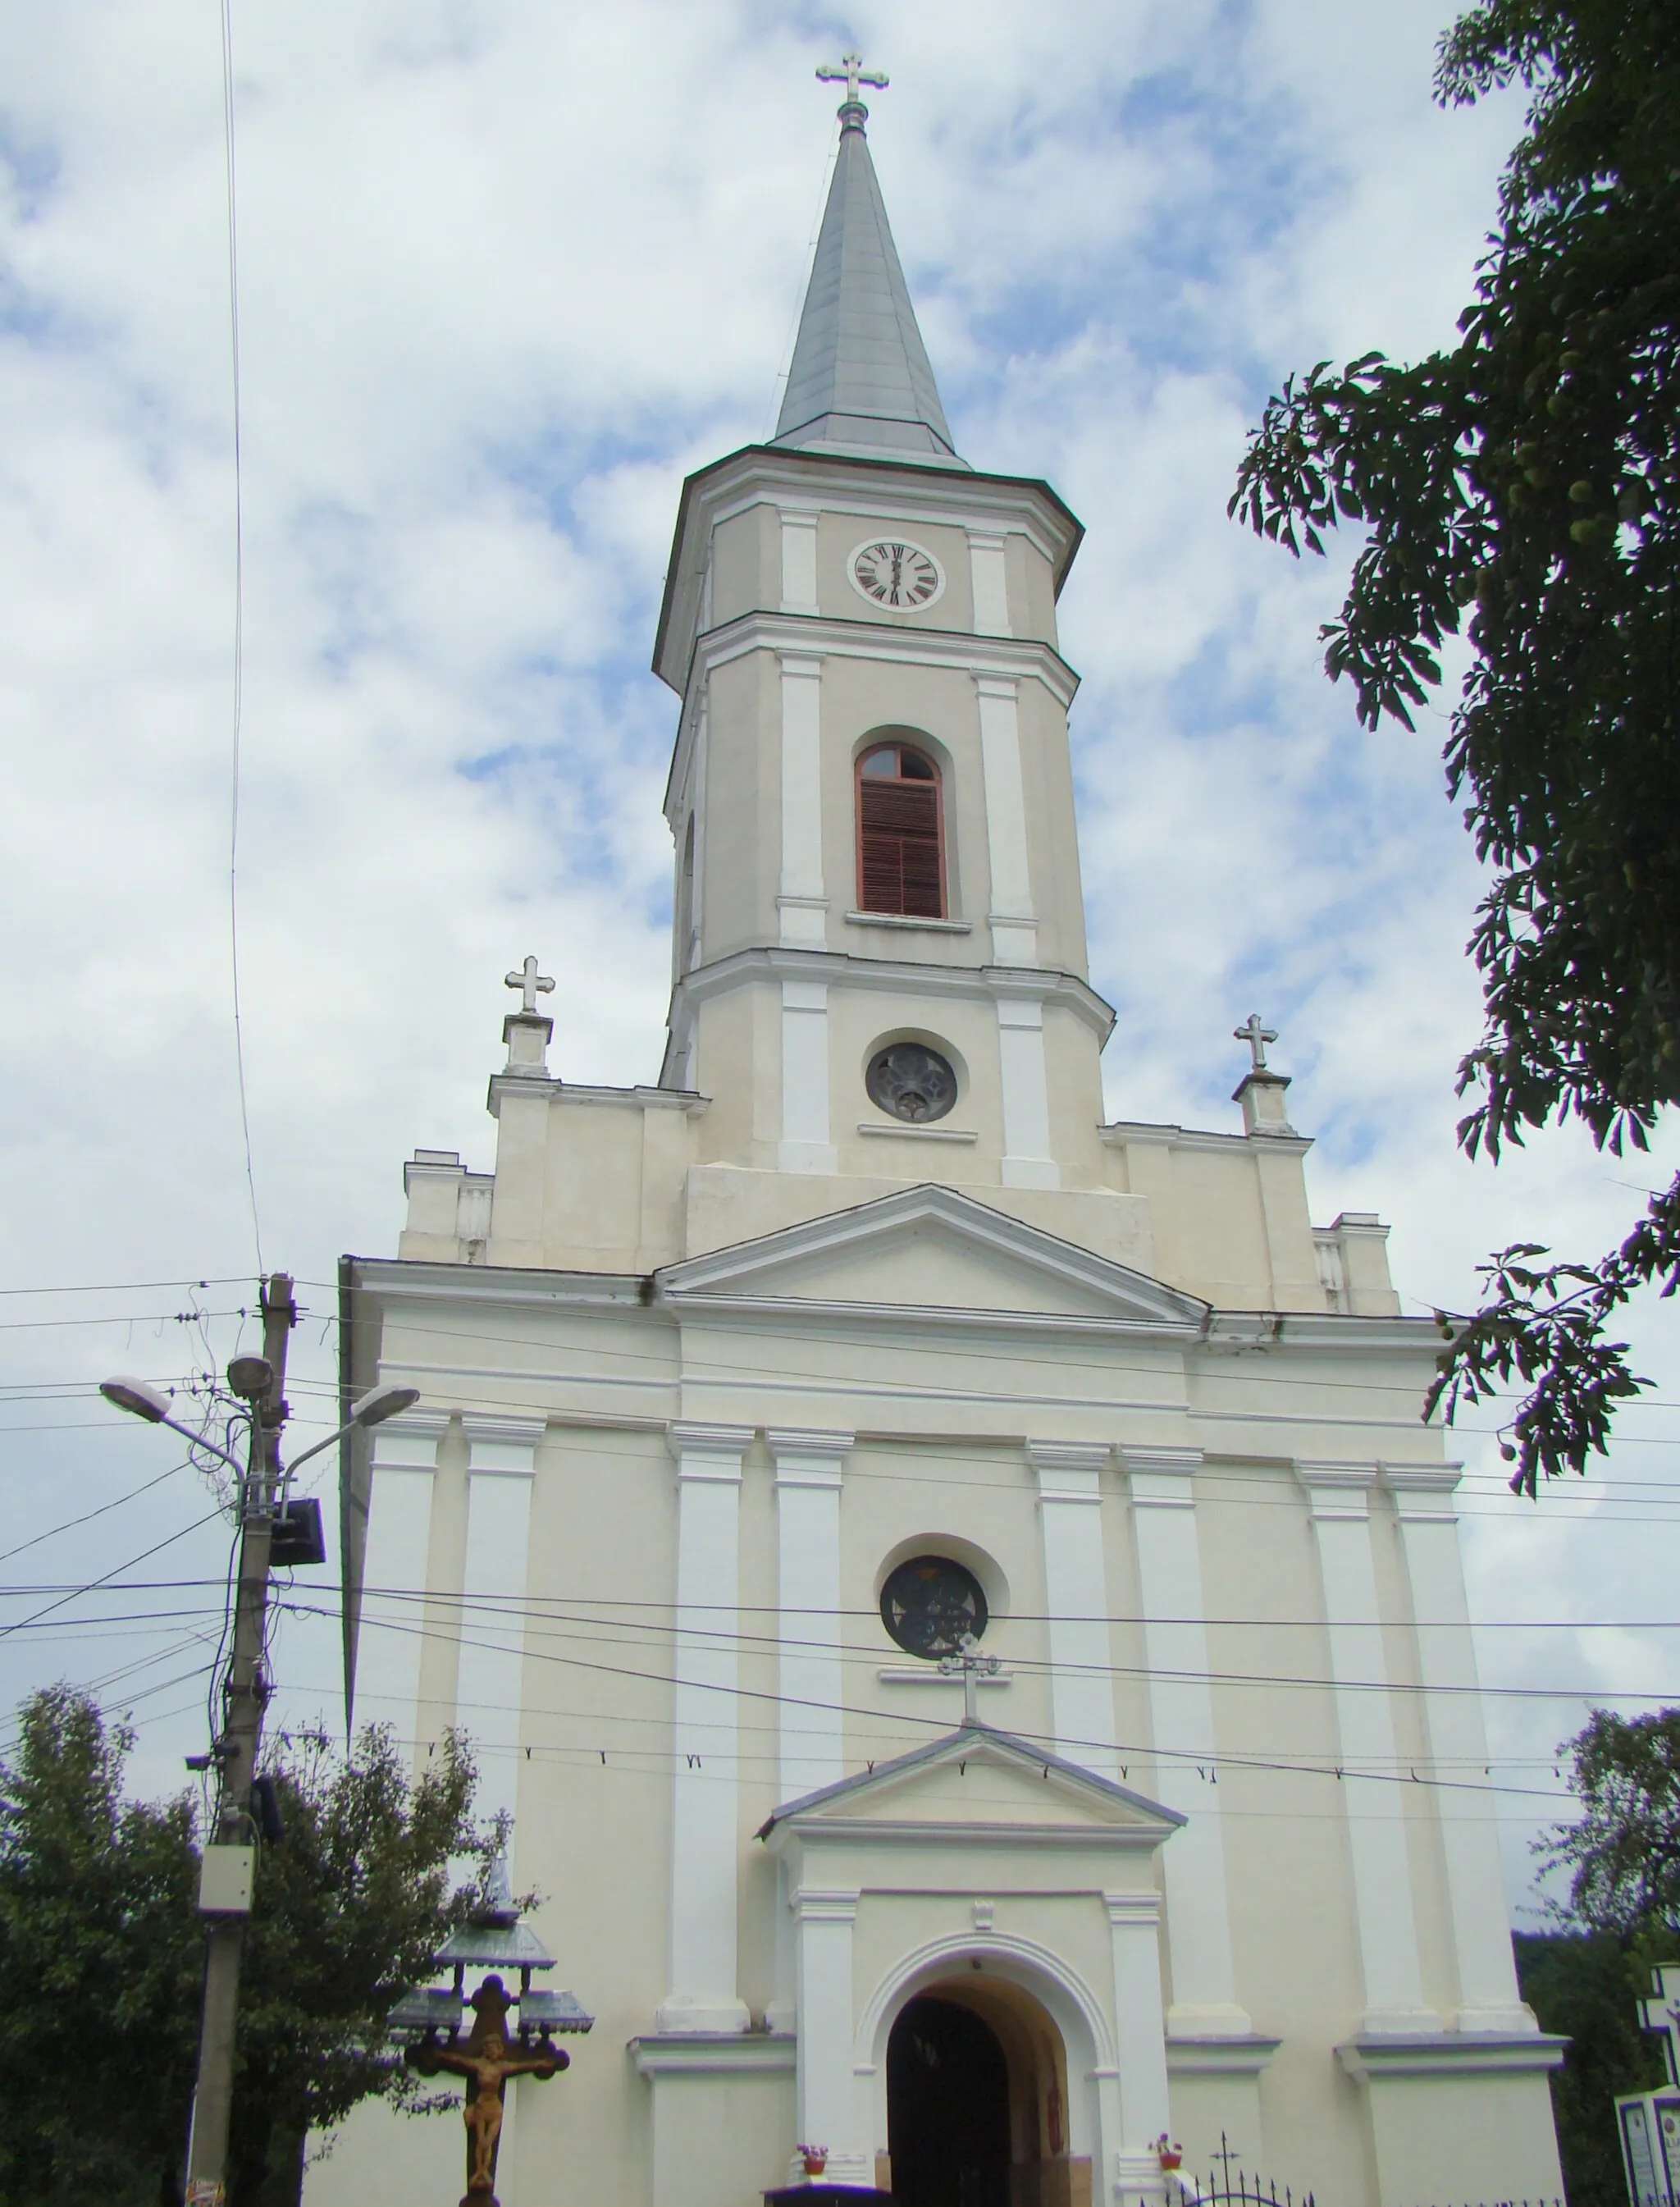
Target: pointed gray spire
(860,381)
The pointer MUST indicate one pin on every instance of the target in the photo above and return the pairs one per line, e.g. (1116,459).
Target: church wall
(978,1497)
(741,551)
(1075,1078)
(1053,842)
(742,800)
(1287,1867)
(592,1187)
(736,1030)
(860,696)
(667,1144)
(434,1709)
(1032,587)
(1126,1633)
(839,535)
(1423,1829)
(758,1718)
(1210,1224)
(594,1837)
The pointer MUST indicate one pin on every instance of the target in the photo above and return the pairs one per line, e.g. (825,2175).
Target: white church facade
(954,1593)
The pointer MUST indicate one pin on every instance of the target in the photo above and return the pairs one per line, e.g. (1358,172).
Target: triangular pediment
(983,1782)
(931,1250)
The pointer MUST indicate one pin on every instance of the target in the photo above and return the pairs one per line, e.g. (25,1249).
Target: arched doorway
(977,2100)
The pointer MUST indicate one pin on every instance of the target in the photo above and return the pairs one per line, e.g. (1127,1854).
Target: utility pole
(244,1696)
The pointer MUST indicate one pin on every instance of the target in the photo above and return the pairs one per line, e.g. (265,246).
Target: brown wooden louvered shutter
(898,824)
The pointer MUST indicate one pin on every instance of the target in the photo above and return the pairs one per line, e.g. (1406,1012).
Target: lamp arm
(198,1440)
(318,1448)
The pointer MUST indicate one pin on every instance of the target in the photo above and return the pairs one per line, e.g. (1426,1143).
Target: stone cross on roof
(849,72)
(531,982)
(1257,1037)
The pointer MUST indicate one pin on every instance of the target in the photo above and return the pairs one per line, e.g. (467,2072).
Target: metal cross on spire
(849,72)
(531,982)
(1257,1037)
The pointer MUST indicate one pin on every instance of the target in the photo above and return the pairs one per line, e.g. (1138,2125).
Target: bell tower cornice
(793,480)
(1006,659)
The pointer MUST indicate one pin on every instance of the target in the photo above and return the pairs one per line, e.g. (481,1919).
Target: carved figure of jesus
(485,2063)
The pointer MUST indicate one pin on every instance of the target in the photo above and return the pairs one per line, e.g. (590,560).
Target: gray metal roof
(860,381)
(513,1945)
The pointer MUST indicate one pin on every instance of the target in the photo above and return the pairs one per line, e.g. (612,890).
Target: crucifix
(972,1666)
(849,72)
(531,982)
(1257,1037)
(486,2064)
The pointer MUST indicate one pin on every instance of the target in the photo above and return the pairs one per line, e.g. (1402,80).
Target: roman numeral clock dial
(900,576)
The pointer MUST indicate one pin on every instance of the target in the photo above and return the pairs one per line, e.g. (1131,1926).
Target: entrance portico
(982,1904)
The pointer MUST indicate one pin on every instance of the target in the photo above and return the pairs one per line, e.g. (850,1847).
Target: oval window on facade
(931,1604)
(900,833)
(911,1082)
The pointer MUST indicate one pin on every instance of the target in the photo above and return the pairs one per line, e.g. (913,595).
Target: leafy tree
(348,1911)
(1622,1916)
(101,1958)
(1525,484)
(1583,1985)
(100,1965)
(1624,1855)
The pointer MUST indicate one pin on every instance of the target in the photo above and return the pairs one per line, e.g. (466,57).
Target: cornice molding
(839,968)
(808,638)
(1121,1132)
(1450,2054)
(874,488)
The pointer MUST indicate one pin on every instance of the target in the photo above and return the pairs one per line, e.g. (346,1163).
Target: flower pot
(814,2163)
(1172,2161)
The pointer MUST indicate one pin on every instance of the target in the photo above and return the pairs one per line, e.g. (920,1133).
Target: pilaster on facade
(799,559)
(1338,1499)
(1024,1080)
(490,1672)
(990,582)
(1423,1502)
(396,1570)
(704,1736)
(1014,924)
(801,900)
(805,1146)
(1076,1599)
(1134,1929)
(824,1919)
(808,1466)
(1165,1535)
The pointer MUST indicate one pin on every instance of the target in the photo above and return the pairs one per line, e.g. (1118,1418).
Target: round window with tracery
(931,1604)
(912,1082)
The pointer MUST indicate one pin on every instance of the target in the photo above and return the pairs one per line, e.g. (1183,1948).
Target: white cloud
(507,274)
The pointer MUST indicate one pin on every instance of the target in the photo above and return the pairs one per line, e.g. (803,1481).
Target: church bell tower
(879,962)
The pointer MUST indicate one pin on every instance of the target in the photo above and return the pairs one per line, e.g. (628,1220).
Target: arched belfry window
(901,832)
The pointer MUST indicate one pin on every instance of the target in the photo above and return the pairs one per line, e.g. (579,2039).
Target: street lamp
(271,1532)
(142,1400)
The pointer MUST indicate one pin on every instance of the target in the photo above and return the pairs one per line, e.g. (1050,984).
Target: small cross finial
(849,72)
(973,1666)
(531,983)
(1257,1037)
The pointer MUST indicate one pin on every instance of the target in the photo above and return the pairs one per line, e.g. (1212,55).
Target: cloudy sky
(506,273)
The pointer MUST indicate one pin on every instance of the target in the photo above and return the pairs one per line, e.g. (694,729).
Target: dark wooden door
(947,2108)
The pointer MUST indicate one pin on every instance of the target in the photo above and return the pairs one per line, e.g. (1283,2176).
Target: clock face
(897,575)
